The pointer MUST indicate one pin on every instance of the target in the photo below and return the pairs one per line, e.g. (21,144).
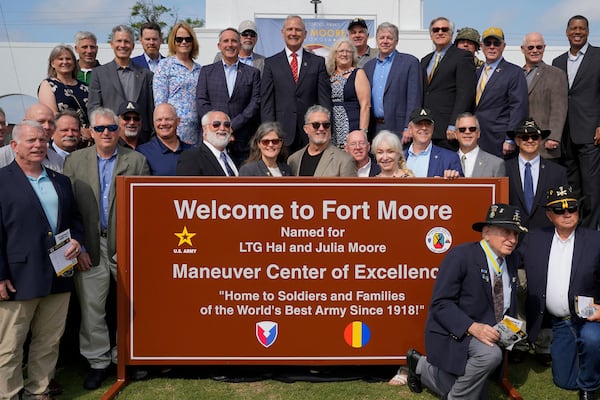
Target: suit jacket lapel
(137,83)
(324,161)
(120,168)
(114,79)
(586,63)
(208,154)
(536,78)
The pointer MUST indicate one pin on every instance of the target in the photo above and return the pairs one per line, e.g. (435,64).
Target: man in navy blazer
(501,98)
(36,205)
(396,85)
(151,39)
(475,287)
(449,82)
(234,88)
(424,158)
(285,99)
(562,263)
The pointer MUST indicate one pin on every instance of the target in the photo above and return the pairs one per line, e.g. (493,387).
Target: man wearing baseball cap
(358,33)
(130,121)
(562,263)
(474,289)
(248,40)
(501,100)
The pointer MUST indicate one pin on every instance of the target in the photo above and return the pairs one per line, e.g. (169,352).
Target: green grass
(532,381)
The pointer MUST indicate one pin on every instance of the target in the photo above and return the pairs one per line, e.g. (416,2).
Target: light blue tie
(528,188)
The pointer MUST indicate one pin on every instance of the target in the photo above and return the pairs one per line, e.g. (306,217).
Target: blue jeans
(576,354)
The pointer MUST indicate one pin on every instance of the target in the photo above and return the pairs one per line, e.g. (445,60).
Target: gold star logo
(185,237)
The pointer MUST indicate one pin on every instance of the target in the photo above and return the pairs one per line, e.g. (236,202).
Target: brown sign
(288,270)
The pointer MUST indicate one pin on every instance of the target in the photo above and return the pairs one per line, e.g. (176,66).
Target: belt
(104,233)
(379,121)
(568,317)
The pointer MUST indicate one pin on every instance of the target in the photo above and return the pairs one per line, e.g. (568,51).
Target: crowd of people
(361,112)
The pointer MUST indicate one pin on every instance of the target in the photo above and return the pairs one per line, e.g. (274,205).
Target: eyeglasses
(561,211)
(131,118)
(526,138)
(187,39)
(274,142)
(490,43)
(316,125)
(355,145)
(537,47)
(248,34)
(344,51)
(102,128)
(437,29)
(216,124)
(463,129)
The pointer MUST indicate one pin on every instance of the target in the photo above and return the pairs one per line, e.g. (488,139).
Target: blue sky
(57,20)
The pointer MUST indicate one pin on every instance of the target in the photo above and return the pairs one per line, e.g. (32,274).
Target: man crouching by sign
(475,287)
(38,215)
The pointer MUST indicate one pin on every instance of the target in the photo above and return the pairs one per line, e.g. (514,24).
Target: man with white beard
(210,158)
(130,121)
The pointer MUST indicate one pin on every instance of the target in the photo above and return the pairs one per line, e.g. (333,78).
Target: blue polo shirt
(161,160)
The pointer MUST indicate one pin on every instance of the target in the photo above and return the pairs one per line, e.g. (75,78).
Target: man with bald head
(163,150)
(357,145)
(548,93)
(44,116)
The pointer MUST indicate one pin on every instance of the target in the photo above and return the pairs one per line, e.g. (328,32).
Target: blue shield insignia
(266,332)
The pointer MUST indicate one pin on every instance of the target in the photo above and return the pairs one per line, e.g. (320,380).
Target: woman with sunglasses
(267,153)
(176,78)
(390,158)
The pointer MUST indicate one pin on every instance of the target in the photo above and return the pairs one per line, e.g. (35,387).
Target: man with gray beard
(249,38)
(210,158)
(130,121)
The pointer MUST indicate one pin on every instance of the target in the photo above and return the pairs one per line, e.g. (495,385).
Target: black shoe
(54,388)
(544,359)
(95,378)
(584,395)
(413,381)
(516,356)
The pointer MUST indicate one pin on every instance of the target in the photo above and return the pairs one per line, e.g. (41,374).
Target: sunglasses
(180,39)
(316,125)
(102,128)
(526,138)
(274,142)
(490,43)
(437,29)
(463,129)
(216,124)
(561,211)
(131,118)
(248,34)
(537,47)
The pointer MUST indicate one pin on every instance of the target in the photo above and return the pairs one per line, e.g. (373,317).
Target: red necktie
(294,66)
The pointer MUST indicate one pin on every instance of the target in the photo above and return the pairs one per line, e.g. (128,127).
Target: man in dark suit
(475,162)
(527,189)
(562,263)
(500,97)
(120,81)
(151,39)
(210,158)
(234,88)
(93,173)
(423,157)
(449,80)
(292,81)
(548,91)
(474,289)
(34,293)
(357,145)
(396,85)
(581,139)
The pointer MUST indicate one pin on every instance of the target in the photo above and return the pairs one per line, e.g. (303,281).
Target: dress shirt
(419,163)
(217,154)
(288,52)
(105,169)
(46,193)
(432,61)
(247,60)
(573,63)
(380,77)
(60,151)
(365,170)
(535,172)
(559,275)
(506,289)
(493,67)
(152,64)
(230,76)
(469,161)
(126,76)
(530,75)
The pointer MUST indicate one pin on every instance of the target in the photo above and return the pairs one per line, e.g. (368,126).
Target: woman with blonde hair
(387,149)
(176,78)
(350,92)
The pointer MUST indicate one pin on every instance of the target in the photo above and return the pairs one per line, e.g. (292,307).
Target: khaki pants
(46,317)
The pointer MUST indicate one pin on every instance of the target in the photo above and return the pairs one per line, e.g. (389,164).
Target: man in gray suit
(93,172)
(249,38)
(475,162)
(121,81)
(548,90)
(320,157)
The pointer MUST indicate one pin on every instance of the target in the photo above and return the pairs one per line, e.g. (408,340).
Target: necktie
(498,294)
(482,83)
(528,187)
(463,163)
(435,65)
(227,166)
(294,66)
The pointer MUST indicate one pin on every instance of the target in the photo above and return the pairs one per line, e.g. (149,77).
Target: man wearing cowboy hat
(562,263)
(475,287)
(530,175)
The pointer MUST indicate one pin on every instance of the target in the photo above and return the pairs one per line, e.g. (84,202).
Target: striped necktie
(438,56)
(482,83)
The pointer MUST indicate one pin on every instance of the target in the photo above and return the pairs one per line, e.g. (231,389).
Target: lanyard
(488,252)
